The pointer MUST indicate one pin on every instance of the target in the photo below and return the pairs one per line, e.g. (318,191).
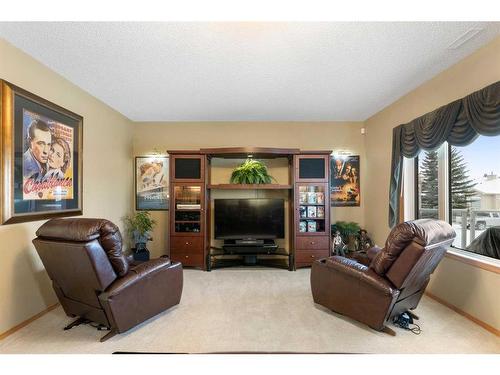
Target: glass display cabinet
(187,209)
(312,207)
(313,212)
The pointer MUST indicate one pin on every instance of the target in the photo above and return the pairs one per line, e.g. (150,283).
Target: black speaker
(188,168)
(311,168)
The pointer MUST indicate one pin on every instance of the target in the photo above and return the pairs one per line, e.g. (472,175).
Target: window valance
(458,123)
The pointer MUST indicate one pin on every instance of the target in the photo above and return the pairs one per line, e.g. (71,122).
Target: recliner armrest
(148,289)
(365,257)
(372,252)
(344,264)
(136,274)
(350,267)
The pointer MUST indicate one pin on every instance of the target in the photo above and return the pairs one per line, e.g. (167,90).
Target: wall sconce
(156,154)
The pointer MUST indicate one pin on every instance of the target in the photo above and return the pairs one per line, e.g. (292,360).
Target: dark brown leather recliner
(94,281)
(386,282)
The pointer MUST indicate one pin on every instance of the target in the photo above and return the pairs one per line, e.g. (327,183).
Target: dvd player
(249,246)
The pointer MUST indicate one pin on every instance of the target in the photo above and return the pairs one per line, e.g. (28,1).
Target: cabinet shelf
(249,186)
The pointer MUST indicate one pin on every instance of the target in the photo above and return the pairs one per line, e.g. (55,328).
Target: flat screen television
(249,218)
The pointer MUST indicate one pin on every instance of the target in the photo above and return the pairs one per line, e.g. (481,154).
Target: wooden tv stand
(307,193)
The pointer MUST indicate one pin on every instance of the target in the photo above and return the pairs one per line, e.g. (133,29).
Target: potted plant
(251,172)
(139,227)
(349,232)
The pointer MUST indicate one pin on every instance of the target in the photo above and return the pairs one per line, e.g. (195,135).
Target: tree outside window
(473,196)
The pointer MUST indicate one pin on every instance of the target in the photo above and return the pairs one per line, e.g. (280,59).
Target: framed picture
(344,182)
(151,183)
(41,149)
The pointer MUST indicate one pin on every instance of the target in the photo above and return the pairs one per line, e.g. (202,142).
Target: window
(475,195)
(462,186)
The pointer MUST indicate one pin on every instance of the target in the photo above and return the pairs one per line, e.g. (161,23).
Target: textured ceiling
(247,71)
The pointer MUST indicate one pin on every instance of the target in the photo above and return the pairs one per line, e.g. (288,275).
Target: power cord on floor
(405,321)
(99,327)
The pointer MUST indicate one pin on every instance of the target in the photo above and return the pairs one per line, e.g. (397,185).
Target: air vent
(464,38)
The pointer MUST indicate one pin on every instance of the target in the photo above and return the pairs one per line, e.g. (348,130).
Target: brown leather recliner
(386,282)
(94,281)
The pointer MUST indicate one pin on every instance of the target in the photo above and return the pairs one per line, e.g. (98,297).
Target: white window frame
(409,192)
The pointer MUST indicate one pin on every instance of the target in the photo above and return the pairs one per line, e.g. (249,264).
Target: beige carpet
(248,309)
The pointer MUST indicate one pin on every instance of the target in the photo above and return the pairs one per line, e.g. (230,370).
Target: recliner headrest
(426,232)
(85,230)
(80,230)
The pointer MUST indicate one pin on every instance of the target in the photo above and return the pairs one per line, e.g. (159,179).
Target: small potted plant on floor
(139,227)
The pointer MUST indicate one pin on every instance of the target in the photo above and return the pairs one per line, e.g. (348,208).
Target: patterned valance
(459,123)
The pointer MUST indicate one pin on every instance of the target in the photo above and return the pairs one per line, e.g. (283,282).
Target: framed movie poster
(41,148)
(344,182)
(151,183)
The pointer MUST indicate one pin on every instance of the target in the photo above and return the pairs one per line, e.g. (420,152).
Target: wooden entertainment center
(307,193)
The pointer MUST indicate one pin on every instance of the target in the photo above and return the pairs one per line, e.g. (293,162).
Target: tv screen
(249,218)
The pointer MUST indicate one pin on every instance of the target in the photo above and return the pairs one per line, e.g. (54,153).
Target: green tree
(428,171)
(462,186)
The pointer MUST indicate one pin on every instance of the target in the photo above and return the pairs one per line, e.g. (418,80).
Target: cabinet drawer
(311,242)
(188,259)
(187,244)
(309,256)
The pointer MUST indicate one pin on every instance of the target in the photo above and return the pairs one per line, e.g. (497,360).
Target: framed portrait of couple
(41,150)
(151,183)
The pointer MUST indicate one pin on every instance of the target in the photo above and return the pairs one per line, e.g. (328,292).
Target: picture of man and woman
(344,185)
(151,187)
(47,167)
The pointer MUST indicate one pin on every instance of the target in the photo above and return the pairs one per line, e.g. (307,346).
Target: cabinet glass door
(313,213)
(188,206)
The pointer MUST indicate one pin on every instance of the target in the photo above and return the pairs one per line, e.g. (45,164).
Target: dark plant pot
(142,255)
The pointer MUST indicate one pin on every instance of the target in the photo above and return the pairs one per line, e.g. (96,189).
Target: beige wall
(306,136)
(25,289)
(110,141)
(462,285)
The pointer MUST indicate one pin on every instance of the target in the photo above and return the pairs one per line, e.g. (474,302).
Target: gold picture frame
(41,147)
